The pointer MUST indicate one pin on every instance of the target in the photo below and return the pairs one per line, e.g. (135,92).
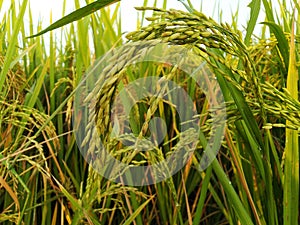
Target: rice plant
(254,178)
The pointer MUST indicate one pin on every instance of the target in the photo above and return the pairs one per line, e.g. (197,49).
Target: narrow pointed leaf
(255,9)
(76,15)
(291,162)
(282,41)
(137,212)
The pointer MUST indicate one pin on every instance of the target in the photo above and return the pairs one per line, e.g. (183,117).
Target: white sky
(41,9)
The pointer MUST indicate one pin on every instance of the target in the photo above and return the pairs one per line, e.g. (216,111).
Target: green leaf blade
(76,15)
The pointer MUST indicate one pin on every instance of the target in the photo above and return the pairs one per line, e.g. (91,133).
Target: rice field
(185,120)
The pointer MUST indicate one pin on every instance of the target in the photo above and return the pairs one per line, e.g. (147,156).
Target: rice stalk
(248,69)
